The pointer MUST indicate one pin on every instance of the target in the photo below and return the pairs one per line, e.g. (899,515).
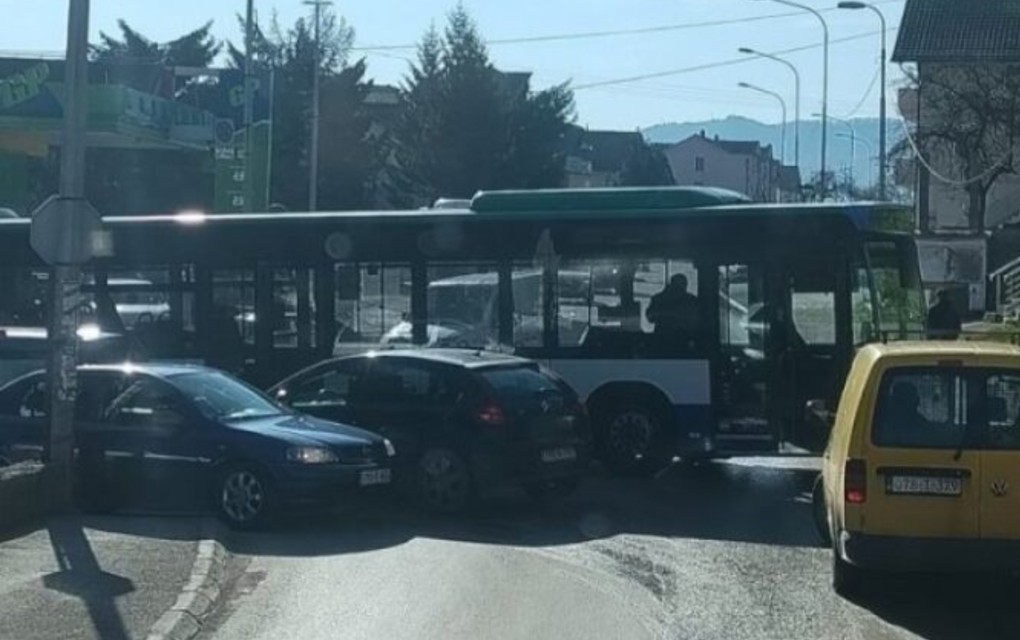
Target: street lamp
(782,103)
(882,159)
(871,150)
(825,79)
(313,151)
(796,97)
(853,142)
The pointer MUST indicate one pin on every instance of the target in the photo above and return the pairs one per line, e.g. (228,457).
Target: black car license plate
(374,477)
(562,454)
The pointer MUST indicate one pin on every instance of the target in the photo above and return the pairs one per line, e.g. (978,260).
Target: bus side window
(372,301)
(528,297)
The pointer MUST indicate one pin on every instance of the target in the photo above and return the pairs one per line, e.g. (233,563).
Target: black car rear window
(948,408)
(516,386)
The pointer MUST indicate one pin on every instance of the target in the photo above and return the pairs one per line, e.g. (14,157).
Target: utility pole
(249,97)
(883,159)
(313,152)
(65,233)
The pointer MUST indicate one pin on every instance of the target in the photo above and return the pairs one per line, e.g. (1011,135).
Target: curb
(201,593)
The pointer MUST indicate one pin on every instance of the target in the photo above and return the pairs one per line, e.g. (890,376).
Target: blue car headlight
(311,455)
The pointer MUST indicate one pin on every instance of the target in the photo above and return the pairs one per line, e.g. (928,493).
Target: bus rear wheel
(633,439)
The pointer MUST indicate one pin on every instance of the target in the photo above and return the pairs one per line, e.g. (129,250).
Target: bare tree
(967,129)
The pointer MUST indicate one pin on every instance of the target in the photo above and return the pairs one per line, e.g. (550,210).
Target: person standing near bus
(675,311)
(943,319)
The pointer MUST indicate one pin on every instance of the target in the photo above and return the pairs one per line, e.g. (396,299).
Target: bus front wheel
(633,438)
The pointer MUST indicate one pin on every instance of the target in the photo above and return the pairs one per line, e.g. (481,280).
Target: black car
(461,421)
(187,428)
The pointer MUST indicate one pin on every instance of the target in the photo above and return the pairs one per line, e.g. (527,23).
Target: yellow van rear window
(948,408)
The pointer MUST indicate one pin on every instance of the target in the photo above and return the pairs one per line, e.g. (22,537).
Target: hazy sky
(40,25)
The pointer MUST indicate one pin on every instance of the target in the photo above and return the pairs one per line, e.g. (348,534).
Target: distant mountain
(839,153)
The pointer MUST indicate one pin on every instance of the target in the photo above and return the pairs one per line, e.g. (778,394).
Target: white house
(739,165)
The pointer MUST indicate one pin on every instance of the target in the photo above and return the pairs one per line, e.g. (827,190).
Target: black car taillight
(855,481)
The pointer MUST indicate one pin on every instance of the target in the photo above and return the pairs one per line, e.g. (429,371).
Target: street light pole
(825,83)
(313,152)
(853,142)
(868,146)
(249,107)
(882,124)
(796,97)
(782,104)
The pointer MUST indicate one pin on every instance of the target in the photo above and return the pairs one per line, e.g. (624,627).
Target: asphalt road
(723,551)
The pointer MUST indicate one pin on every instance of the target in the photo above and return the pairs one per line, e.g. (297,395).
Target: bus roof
(610,199)
(561,204)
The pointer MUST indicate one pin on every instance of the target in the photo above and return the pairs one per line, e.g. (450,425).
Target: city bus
(784,294)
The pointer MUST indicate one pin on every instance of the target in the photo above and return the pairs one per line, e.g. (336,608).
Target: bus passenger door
(744,364)
(813,347)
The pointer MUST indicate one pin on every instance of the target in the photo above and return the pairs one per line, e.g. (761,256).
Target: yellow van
(922,469)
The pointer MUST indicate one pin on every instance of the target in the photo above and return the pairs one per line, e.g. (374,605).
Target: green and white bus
(784,294)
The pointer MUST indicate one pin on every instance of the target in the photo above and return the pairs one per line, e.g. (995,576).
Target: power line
(721,63)
(867,93)
(587,35)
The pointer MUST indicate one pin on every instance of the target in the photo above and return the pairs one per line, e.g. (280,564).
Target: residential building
(739,165)
(947,42)
(598,158)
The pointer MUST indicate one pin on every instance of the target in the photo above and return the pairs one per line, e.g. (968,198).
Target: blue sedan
(192,428)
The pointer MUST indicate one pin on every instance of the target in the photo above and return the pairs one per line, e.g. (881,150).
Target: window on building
(699,164)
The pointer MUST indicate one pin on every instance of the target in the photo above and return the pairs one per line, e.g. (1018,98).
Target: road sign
(66,231)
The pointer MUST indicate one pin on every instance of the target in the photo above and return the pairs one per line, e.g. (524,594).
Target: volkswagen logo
(999,488)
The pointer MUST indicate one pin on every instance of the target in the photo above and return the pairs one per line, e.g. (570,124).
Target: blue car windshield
(220,397)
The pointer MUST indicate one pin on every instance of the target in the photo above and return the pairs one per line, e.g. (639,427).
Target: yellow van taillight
(855,482)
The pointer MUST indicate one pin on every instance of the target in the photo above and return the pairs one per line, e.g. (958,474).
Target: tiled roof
(959,31)
(744,147)
(606,150)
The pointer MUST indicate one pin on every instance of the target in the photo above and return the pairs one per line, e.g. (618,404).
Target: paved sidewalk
(108,577)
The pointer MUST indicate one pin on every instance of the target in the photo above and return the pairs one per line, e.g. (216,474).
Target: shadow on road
(947,607)
(81,576)
(719,501)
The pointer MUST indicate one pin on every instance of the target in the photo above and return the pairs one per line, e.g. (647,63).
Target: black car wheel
(552,491)
(633,439)
(819,511)
(444,481)
(244,497)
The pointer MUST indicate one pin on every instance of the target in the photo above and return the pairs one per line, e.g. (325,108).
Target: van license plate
(924,485)
(559,455)
(375,476)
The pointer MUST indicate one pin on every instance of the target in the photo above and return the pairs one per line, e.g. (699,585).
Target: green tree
(465,126)
(646,167)
(140,62)
(348,161)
